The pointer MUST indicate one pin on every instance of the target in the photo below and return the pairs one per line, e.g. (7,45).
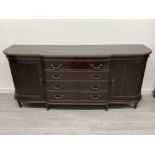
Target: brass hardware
(95,86)
(58,97)
(95,76)
(113,82)
(97,67)
(40,81)
(57,86)
(56,76)
(56,66)
(95,97)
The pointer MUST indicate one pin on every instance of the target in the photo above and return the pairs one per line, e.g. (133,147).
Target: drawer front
(74,96)
(77,64)
(81,75)
(77,85)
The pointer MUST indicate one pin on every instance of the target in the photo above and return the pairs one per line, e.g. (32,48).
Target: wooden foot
(153,93)
(106,107)
(20,104)
(47,106)
(135,105)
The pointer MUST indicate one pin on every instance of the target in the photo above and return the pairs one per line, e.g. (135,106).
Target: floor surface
(83,120)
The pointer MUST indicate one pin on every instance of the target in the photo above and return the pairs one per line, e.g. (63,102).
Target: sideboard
(78,74)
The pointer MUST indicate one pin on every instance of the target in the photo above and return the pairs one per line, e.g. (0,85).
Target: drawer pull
(56,66)
(56,76)
(95,97)
(58,97)
(95,86)
(57,86)
(96,76)
(100,66)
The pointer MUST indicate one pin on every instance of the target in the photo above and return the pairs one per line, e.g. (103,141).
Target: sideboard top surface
(77,50)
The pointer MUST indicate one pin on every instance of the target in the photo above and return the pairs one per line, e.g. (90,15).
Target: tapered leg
(20,104)
(154,93)
(135,105)
(106,107)
(47,106)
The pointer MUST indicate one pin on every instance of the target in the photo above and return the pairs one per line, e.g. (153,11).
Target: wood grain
(77,50)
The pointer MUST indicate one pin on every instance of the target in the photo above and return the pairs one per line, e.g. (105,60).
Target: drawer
(77,85)
(77,75)
(75,97)
(77,64)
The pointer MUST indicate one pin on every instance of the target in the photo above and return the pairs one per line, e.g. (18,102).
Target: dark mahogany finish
(28,76)
(78,74)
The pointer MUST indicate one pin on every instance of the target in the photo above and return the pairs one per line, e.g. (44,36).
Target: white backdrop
(76,32)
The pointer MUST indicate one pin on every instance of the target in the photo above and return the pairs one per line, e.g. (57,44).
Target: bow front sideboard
(78,74)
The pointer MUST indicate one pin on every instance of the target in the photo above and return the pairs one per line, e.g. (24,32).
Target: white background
(84,31)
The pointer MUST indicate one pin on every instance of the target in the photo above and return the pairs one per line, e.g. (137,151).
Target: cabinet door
(28,78)
(126,77)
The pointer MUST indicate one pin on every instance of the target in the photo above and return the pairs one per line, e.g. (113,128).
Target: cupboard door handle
(41,82)
(95,97)
(96,76)
(100,66)
(56,76)
(113,82)
(95,86)
(58,97)
(57,86)
(56,66)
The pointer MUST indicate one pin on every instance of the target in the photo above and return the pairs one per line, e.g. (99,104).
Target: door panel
(27,76)
(126,77)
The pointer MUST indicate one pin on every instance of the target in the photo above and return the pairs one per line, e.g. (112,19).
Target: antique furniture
(78,74)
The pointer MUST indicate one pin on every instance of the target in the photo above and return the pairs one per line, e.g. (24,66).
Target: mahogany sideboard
(78,74)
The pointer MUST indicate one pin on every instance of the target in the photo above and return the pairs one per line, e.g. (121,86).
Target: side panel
(27,73)
(127,76)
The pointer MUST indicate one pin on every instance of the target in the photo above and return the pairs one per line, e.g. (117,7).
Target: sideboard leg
(20,104)
(153,93)
(47,106)
(135,105)
(106,107)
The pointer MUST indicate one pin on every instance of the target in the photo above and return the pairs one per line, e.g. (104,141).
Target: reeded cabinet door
(28,78)
(126,78)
